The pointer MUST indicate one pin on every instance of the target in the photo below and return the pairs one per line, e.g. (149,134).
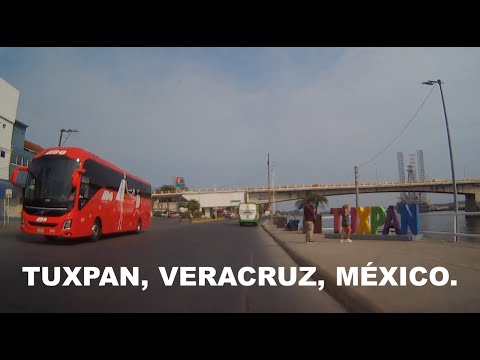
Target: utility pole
(268,172)
(356,186)
(274,207)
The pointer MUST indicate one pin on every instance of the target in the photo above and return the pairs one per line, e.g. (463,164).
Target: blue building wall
(18,136)
(20,157)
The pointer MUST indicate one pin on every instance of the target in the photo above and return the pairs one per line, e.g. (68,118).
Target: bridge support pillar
(207,212)
(472,202)
(247,197)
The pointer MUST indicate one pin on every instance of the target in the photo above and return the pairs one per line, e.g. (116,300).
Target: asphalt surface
(167,243)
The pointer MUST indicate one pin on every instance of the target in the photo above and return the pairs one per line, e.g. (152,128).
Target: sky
(211,115)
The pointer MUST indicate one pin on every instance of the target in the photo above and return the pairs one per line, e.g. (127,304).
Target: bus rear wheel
(139,226)
(96,230)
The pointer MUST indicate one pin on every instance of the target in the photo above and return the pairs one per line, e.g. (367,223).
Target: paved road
(167,243)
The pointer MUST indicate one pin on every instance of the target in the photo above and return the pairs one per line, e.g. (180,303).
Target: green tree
(319,201)
(166,188)
(193,205)
(263,208)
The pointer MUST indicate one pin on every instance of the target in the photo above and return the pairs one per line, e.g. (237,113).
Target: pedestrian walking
(309,219)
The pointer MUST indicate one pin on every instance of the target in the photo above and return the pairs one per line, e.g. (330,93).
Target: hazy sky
(212,114)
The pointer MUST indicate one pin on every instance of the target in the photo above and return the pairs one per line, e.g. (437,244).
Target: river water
(432,221)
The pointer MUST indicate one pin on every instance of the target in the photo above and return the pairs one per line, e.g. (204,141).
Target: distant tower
(421,165)
(412,161)
(401,172)
(421,172)
(412,176)
(401,167)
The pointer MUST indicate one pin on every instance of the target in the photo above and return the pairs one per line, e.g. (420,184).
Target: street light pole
(274,207)
(356,186)
(454,183)
(69,131)
(60,140)
(268,171)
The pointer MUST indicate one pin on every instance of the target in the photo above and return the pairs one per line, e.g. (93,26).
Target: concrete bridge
(224,197)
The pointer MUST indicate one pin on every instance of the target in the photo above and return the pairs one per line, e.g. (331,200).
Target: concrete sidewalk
(462,260)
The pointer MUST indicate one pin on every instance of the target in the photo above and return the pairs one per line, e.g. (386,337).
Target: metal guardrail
(454,215)
(451,233)
(451,213)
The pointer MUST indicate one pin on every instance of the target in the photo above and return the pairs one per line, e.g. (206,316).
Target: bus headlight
(67,225)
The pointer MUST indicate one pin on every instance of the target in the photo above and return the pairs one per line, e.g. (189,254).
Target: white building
(9,97)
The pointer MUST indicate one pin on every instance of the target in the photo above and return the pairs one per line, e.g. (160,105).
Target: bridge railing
(319,186)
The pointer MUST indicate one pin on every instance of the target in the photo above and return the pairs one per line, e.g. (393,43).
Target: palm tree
(317,199)
(193,205)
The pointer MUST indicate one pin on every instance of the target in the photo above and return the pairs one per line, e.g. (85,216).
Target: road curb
(349,298)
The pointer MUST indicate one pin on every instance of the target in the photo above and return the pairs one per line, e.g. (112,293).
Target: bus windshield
(49,183)
(248,207)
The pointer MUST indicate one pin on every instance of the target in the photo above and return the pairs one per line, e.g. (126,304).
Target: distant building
(23,151)
(32,147)
(411,174)
(401,172)
(8,113)
(14,151)
(9,96)
(421,173)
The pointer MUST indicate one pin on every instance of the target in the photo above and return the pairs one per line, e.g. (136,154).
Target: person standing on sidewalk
(309,219)
(345,223)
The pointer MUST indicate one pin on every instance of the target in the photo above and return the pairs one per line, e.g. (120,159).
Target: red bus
(72,193)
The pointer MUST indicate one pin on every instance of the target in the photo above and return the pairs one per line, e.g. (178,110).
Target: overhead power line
(401,132)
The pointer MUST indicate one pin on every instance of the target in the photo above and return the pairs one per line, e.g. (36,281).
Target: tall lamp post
(268,175)
(272,179)
(454,183)
(274,207)
(356,186)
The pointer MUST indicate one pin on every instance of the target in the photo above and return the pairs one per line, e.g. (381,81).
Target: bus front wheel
(96,230)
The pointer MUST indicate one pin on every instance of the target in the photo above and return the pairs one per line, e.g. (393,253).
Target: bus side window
(84,191)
